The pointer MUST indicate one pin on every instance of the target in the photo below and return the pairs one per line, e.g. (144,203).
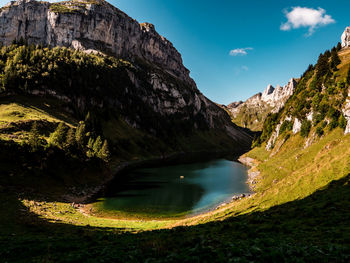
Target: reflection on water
(179,189)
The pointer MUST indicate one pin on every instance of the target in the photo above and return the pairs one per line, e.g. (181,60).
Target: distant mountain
(252,113)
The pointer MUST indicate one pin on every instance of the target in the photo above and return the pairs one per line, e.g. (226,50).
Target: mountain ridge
(252,112)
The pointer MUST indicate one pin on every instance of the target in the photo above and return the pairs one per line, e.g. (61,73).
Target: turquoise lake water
(176,190)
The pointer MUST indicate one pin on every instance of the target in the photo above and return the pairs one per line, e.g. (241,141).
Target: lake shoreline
(89,195)
(253,172)
(87,208)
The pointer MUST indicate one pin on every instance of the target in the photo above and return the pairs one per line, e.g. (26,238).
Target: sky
(234,49)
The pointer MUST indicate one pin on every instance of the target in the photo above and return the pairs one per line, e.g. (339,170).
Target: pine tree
(104,153)
(348,77)
(90,152)
(70,139)
(80,134)
(342,122)
(335,60)
(339,46)
(59,135)
(322,65)
(97,145)
(34,138)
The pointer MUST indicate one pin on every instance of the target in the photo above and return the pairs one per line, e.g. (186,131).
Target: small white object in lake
(182,177)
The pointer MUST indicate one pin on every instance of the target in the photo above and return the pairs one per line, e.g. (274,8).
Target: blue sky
(206,31)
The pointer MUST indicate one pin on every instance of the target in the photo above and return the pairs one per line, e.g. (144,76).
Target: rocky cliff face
(89,25)
(252,112)
(345,38)
(158,86)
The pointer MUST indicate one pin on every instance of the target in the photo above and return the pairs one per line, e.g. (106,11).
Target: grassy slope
(299,213)
(252,118)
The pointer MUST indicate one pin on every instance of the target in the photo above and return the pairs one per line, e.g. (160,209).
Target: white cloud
(240,51)
(306,17)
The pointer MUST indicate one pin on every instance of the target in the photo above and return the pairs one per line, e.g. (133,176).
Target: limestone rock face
(258,106)
(346,112)
(345,38)
(276,97)
(89,25)
(159,82)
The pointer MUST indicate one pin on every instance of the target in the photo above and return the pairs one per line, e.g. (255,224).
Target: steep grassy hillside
(250,117)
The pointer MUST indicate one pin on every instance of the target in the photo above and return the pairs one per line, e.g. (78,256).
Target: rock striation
(345,38)
(258,106)
(89,25)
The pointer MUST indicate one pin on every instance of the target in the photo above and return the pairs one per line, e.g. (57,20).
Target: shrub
(342,122)
(333,124)
(305,128)
(286,126)
(319,131)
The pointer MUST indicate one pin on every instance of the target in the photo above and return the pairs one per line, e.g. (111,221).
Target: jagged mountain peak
(345,38)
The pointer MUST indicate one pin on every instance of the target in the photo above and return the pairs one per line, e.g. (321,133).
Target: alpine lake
(173,191)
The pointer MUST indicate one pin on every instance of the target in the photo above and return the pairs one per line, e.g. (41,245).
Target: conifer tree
(339,46)
(97,145)
(348,77)
(104,153)
(342,122)
(34,138)
(335,60)
(70,139)
(59,135)
(322,65)
(80,134)
(90,152)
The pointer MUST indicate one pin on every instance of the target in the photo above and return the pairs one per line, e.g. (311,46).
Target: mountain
(140,79)
(252,113)
(319,103)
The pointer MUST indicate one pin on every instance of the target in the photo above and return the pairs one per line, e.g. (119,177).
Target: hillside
(95,99)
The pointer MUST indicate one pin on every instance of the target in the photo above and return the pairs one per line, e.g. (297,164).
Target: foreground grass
(300,213)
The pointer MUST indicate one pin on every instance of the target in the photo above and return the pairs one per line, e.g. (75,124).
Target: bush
(319,131)
(286,126)
(305,128)
(342,122)
(333,124)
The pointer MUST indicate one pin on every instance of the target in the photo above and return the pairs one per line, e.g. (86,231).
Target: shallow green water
(162,191)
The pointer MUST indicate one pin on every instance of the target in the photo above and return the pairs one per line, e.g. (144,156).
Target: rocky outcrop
(251,113)
(276,97)
(155,94)
(346,113)
(345,38)
(89,25)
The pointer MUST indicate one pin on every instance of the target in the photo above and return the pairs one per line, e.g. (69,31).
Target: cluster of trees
(319,90)
(78,142)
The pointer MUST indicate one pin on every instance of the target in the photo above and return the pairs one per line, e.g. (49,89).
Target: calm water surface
(176,190)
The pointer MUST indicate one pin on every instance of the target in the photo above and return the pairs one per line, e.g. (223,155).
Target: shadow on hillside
(321,219)
(49,106)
